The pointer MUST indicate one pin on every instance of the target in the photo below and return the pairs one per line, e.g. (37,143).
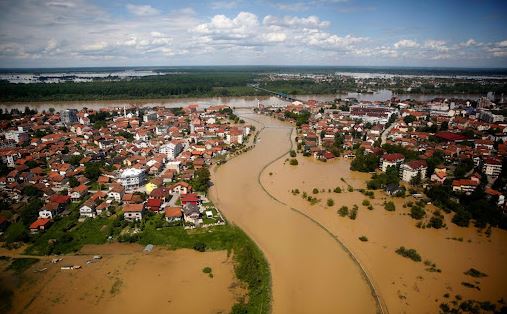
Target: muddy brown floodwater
(311,272)
(126,280)
(405,286)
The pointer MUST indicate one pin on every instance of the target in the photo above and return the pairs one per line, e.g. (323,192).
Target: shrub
(417,212)
(370,207)
(330,202)
(315,191)
(389,206)
(436,222)
(409,253)
(206,270)
(293,162)
(366,203)
(353,213)
(475,273)
(350,188)
(337,189)
(363,238)
(199,246)
(292,153)
(343,211)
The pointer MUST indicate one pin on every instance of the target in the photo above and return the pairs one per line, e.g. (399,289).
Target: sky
(80,33)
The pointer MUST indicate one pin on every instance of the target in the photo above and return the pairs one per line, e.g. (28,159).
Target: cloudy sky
(68,33)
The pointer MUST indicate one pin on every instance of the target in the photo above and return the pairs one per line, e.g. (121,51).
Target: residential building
(133,211)
(171,149)
(412,168)
(131,178)
(391,160)
(69,116)
(492,167)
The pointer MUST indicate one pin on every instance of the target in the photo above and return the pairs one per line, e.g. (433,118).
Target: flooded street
(311,273)
(405,286)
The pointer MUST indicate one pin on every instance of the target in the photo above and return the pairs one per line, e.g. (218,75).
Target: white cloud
(310,21)
(96,46)
(406,43)
(469,43)
(275,37)
(438,45)
(502,43)
(142,10)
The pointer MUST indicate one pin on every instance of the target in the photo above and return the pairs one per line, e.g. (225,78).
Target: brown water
(311,273)
(126,280)
(404,285)
(239,102)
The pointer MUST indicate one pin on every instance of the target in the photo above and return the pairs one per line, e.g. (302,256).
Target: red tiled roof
(191,197)
(39,223)
(393,157)
(133,208)
(173,212)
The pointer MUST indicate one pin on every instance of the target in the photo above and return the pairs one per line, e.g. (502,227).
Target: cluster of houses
(140,159)
(457,128)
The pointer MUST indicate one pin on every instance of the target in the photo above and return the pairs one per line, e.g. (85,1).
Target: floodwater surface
(406,286)
(311,272)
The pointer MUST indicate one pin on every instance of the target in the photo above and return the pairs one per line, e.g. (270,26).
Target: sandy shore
(405,286)
(126,280)
(311,273)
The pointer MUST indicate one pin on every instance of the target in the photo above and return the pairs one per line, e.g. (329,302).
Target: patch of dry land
(126,280)
(311,272)
(405,286)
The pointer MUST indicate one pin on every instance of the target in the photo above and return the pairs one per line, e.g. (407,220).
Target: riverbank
(406,286)
(310,271)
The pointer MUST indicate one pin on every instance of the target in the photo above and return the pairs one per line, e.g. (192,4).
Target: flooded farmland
(126,280)
(406,286)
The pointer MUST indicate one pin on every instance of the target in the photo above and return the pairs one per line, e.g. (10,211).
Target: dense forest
(216,82)
(197,84)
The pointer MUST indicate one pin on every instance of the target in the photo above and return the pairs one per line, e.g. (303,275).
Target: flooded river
(311,272)
(239,102)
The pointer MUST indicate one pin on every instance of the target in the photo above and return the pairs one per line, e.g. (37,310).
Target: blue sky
(468,33)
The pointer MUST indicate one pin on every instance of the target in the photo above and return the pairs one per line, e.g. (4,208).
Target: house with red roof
(173,214)
(77,193)
(412,168)
(154,204)
(391,160)
(180,188)
(133,211)
(40,224)
(465,185)
(191,198)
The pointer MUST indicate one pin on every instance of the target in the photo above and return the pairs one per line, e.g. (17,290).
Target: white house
(87,210)
(171,149)
(133,211)
(116,193)
(389,160)
(410,170)
(131,178)
(492,167)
